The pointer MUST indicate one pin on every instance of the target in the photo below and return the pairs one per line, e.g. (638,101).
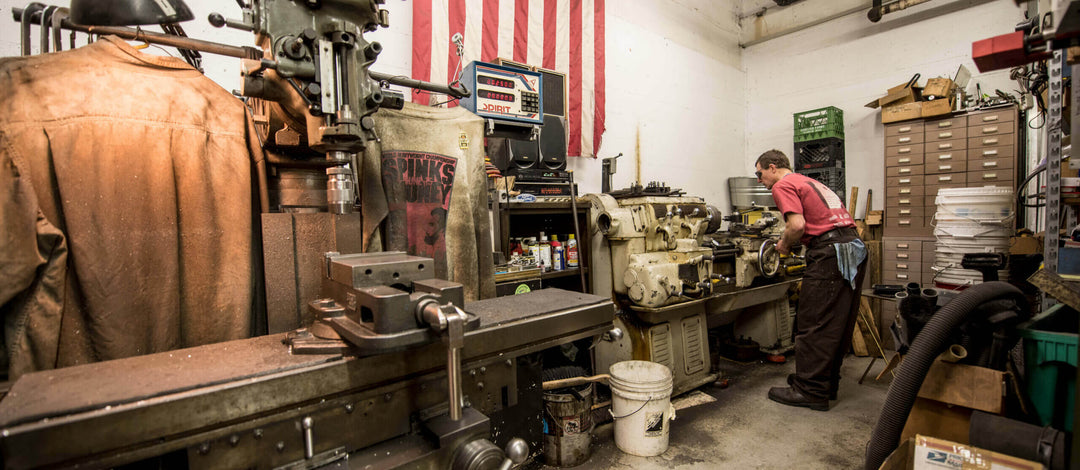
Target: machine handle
(517,450)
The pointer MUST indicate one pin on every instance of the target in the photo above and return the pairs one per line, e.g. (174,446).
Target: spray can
(558,261)
(571,252)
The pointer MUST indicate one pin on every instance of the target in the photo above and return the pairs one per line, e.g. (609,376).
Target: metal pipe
(24,17)
(577,230)
(154,38)
(453,374)
(209,47)
(457,91)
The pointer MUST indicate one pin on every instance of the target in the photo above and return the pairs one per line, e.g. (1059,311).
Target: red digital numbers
(502,83)
(494,95)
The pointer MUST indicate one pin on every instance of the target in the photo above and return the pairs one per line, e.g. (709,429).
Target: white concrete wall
(676,99)
(850,61)
(675,96)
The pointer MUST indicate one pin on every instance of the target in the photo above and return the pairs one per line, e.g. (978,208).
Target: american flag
(562,35)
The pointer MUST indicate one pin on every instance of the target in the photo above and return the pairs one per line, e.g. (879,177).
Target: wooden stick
(854,201)
(572,381)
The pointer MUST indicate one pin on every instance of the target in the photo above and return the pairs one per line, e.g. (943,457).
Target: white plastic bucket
(960,229)
(988,204)
(641,406)
(970,220)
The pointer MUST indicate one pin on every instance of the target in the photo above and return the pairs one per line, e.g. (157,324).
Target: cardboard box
(937,107)
(938,87)
(899,94)
(949,394)
(929,453)
(1025,245)
(901,112)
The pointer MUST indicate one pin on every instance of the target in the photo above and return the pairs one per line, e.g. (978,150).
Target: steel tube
(227,50)
(577,231)
(453,375)
(401,80)
(153,37)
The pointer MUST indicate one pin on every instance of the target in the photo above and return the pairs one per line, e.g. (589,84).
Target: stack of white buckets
(970,220)
(641,406)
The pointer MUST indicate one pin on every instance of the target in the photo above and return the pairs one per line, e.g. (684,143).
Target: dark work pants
(828,308)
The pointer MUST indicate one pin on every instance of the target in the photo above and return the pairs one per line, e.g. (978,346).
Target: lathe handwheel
(768,259)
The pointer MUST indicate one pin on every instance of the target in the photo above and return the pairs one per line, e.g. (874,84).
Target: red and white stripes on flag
(562,35)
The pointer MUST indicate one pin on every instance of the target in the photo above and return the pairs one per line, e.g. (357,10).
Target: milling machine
(674,275)
(395,371)
(417,382)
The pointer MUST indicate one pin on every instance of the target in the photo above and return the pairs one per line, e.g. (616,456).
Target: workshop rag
(432,166)
(125,200)
(848,258)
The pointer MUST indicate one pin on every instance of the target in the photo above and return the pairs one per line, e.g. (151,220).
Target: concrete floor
(743,429)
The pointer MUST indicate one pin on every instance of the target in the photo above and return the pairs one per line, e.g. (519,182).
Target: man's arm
(795,224)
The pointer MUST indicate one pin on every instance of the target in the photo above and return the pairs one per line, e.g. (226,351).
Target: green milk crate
(819,124)
(1050,347)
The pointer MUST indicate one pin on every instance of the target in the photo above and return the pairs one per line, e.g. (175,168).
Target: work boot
(792,397)
(832,388)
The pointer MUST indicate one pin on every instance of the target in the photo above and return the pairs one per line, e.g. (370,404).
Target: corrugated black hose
(931,341)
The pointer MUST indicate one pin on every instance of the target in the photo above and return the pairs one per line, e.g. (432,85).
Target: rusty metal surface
(293,248)
(500,310)
(1057,287)
(94,386)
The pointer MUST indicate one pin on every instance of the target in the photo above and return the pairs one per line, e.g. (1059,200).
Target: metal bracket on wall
(1053,171)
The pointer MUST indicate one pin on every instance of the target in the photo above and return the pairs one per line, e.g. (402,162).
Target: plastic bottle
(571,252)
(558,261)
(516,247)
(543,253)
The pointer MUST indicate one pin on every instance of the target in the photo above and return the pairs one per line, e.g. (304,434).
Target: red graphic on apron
(418,185)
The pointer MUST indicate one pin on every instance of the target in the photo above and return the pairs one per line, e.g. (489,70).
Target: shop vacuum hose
(931,341)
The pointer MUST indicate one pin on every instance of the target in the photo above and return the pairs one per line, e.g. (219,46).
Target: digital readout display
(494,95)
(486,80)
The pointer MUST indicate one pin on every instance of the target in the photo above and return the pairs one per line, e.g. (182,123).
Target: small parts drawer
(906,170)
(903,160)
(957,122)
(915,180)
(1002,176)
(905,212)
(945,167)
(902,266)
(903,129)
(904,139)
(945,178)
(905,201)
(946,157)
(935,135)
(904,191)
(911,150)
(1000,163)
(991,129)
(946,145)
(1006,151)
(991,117)
(980,141)
(893,277)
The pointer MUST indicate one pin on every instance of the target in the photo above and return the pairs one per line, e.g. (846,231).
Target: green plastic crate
(819,124)
(1050,343)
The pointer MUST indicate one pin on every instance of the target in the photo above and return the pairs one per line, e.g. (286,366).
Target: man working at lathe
(835,266)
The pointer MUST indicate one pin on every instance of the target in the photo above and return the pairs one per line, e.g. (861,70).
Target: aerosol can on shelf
(558,261)
(571,252)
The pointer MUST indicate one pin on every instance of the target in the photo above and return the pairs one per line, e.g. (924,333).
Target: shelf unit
(528,219)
